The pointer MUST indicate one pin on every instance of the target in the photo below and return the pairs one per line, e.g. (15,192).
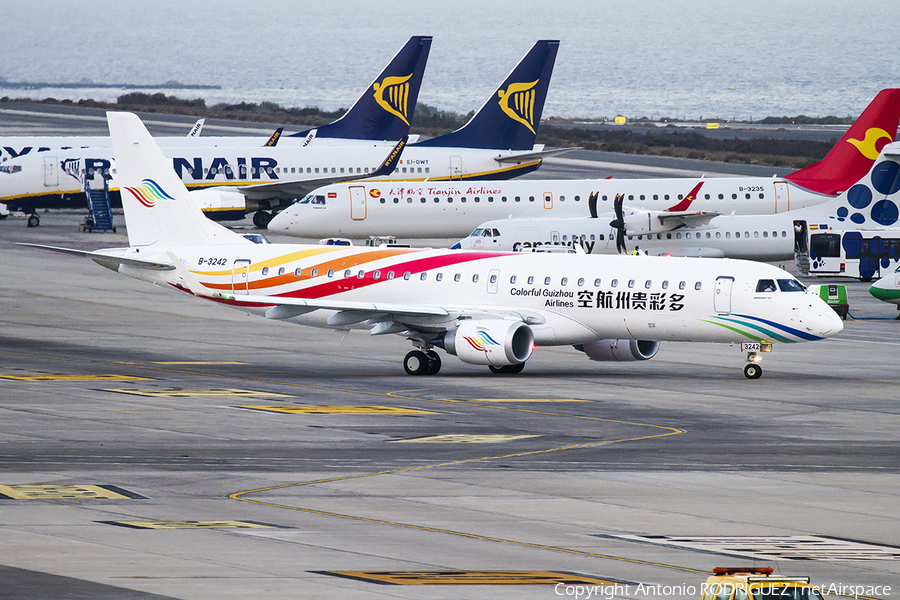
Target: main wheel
(416,363)
(261,219)
(34,220)
(752,371)
(434,365)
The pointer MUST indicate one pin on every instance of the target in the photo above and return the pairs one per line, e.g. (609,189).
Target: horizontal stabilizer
(534,155)
(107,259)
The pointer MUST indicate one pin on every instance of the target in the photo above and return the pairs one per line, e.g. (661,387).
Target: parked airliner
(454,209)
(497,142)
(872,203)
(486,308)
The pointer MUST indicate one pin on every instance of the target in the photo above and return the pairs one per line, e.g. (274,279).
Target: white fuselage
(568,299)
(454,209)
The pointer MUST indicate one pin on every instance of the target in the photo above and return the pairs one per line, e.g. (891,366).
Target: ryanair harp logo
(397,91)
(517,101)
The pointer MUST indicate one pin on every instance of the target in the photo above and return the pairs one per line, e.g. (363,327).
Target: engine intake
(496,343)
(620,350)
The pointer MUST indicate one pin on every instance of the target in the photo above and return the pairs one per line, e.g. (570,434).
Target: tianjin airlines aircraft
(486,308)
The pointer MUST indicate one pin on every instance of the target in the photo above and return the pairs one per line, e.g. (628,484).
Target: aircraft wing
(298,189)
(695,218)
(534,155)
(107,260)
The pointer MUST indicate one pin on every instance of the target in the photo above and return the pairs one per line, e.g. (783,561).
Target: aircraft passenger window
(718,234)
(631,196)
(765,234)
(737,234)
(281,271)
(407,275)
(665,285)
(746,234)
(790,285)
(463,199)
(614,283)
(546,281)
(631,283)
(265,271)
(347,273)
(747,196)
(317,169)
(494,278)
(396,200)
(706,196)
(656,196)
(630,238)
(580,281)
(314,273)
(423,276)
(678,236)
(297,272)
(596,283)
(366,170)
(409,200)
(512,280)
(475,278)
(761,196)
(592,237)
(342,169)
(420,169)
(427,170)
(561,199)
(563,281)
(390,274)
(668,236)
(658,236)
(697,285)
(477,199)
(721,196)
(375,275)
(436,200)
(642,197)
(601,237)
(457,277)
(294,169)
(707,235)
(680,197)
(503,199)
(640,237)
(666,197)
(205,171)
(331,272)
(496,232)
(681,285)
(332,169)
(422,200)
(404,169)
(765,286)
(382,200)
(490,198)
(449,200)
(530,279)
(783,234)
(728,234)
(734,196)
(577,198)
(361,274)
(604,198)
(518,199)
(565,238)
(439,277)
(756,234)
(647,284)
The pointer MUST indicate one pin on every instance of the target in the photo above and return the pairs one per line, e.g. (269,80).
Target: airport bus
(863,254)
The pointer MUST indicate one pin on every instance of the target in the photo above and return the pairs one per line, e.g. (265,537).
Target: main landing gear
(419,362)
(262,218)
(508,369)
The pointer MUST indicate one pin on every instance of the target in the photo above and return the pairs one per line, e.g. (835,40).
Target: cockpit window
(766,286)
(790,285)
(312,199)
(477,232)
(306,199)
(487,233)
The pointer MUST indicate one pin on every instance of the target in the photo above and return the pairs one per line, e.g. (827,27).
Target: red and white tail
(855,153)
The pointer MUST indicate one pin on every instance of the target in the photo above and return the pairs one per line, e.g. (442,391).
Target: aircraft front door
(455,167)
(782,200)
(357,203)
(722,299)
(51,173)
(240,277)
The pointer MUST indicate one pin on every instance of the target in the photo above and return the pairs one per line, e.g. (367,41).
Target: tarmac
(153,445)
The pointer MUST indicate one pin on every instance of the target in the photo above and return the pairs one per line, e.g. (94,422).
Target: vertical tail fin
(158,209)
(853,155)
(510,118)
(385,109)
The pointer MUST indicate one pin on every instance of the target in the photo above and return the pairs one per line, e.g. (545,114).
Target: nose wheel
(752,370)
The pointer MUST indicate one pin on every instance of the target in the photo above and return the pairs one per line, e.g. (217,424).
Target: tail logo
(375,193)
(397,89)
(481,341)
(868,147)
(148,193)
(521,96)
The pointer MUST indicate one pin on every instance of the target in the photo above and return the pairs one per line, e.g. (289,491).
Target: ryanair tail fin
(158,208)
(510,118)
(856,151)
(385,109)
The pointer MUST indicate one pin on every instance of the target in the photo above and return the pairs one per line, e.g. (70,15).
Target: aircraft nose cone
(280,222)
(829,323)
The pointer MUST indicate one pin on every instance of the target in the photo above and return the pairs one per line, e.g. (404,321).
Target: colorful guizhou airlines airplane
(487,308)
(453,209)
(888,288)
(498,142)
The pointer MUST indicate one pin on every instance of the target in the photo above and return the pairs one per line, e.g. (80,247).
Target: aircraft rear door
(240,277)
(357,203)
(782,199)
(722,299)
(51,173)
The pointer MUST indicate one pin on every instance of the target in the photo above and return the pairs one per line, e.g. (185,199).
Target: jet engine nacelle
(497,343)
(644,222)
(620,350)
(214,200)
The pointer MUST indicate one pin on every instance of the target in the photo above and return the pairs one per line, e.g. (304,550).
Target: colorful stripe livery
(148,193)
(481,341)
(743,323)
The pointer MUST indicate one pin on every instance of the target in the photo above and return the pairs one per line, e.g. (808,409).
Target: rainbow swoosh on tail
(481,341)
(148,193)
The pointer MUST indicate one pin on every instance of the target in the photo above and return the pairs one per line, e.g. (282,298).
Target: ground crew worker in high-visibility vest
(637,251)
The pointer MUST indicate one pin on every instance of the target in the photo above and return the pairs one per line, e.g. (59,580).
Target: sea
(684,59)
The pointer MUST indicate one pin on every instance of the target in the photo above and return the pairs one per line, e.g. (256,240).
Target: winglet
(275,137)
(195,130)
(686,203)
(390,163)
